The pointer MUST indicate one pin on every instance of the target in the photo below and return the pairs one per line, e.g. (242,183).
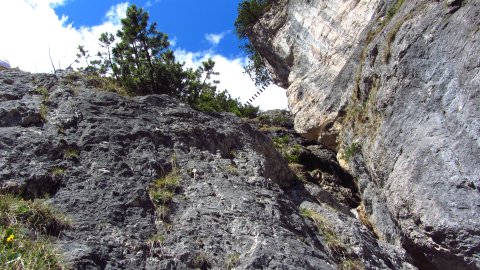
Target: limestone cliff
(150,183)
(394,87)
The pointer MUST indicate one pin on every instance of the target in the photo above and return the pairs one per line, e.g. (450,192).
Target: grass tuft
(290,153)
(58,172)
(24,229)
(351,264)
(162,190)
(334,244)
(350,151)
(107,84)
(44,112)
(71,154)
(232,261)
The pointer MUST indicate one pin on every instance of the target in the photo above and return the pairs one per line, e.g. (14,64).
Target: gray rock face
(295,36)
(237,204)
(405,106)
(426,151)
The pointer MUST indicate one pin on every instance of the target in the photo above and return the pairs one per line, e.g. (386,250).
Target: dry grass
(24,230)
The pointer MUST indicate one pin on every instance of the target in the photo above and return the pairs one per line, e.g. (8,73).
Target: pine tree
(249,12)
(141,63)
(141,53)
(106,61)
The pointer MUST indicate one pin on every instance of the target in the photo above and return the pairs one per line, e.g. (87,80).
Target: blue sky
(40,30)
(185,21)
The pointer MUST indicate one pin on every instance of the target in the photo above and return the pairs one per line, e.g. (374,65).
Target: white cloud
(149,3)
(51,3)
(116,13)
(232,78)
(28,33)
(33,29)
(173,41)
(215,39)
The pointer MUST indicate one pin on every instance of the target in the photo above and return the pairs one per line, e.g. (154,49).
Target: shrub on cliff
(142,62)
(249,12)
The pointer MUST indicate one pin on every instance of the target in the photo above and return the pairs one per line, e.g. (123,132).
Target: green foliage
(351,264)
(141,63)
(256,67)
(334,244)
(394,9)
(71,154)
(342,254)
(211,101)
(142,57)
(35,215)
(231,169)
(290,153)
(156,240)
(203,95)
(23,224)
(105,83)
(43,110)
(392,34)
(162,190)
(281,141)
(276,120)
(58,171)
(249,12)
(44,92)
(350,151)
(22,252)
(232,261)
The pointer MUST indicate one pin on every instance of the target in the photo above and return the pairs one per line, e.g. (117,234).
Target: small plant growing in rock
(71,154)
(290,153)
(351,264)
(44,105)
(58,172)
(334,244)
(72,77)
(346,259)
(350,151)
(231,169)
(44,92)
(156,240)
(281,141)
(201,262)
(162,190)
(232,261)
(60,130)
(394,9)
(43,112)
(299,171)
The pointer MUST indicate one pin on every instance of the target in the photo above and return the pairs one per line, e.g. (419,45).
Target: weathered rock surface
(310,161)
(298,35)
(400,84)
(238,205)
